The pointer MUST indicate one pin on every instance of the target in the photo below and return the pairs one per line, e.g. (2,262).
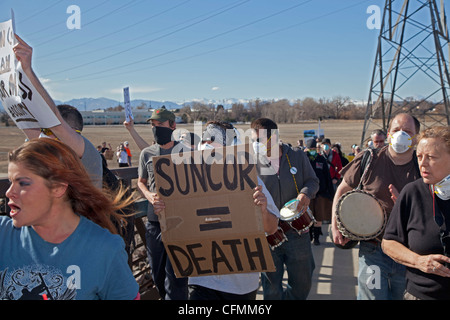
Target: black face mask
(163,135)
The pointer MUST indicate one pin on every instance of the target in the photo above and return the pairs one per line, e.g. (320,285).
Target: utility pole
(413,50)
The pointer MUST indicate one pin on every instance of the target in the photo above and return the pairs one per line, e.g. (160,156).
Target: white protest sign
(19,97)
(7,59)
(126,100)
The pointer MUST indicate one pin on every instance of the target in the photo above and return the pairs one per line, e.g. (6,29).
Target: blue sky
(181,50)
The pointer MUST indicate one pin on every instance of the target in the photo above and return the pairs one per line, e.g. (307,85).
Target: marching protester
(290,176)
(417,234)
(190,139)
(334,161)
(321,204)
(390,169)
(56,213)
(69,131)
(337,148)
(163,125)
(377,139)
(242,286)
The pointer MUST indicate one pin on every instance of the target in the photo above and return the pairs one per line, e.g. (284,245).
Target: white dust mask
(259,148)
(205,146)
(442,188)
(401,141)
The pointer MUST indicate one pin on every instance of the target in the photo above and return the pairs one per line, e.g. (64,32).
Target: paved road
(335,275)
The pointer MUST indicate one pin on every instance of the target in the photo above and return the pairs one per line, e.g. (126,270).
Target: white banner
(19,97)
(126,101)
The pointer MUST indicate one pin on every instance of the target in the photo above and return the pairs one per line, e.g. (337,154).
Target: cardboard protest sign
(126,101)
(19,97)
(210,225)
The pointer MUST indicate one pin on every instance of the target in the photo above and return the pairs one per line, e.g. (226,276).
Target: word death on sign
(233,255)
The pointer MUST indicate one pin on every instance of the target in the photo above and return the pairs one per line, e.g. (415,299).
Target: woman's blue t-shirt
(90,264)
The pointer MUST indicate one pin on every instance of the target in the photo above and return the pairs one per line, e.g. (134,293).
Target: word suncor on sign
(186,178)
(210,225)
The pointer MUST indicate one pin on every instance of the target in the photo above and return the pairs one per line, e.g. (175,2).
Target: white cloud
(44,80)
(215,88)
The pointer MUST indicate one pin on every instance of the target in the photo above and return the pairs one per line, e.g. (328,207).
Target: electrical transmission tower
(413,49)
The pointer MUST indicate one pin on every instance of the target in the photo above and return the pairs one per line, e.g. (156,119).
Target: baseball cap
(162,115)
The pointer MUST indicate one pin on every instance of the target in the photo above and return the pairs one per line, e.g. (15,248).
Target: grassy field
(347,132)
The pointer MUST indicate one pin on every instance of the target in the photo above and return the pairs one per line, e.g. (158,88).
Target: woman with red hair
(60,241)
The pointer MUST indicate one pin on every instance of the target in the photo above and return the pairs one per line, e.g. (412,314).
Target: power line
(129,40)
(139,37)
(149,41)
(62,22)
(117,31)
(193,43)
(40,11)
(130,3)
(84,77)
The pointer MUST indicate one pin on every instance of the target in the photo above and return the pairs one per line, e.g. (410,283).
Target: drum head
(289,210)
(360,216)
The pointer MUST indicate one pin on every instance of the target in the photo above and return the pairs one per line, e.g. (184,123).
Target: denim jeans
(296,254)
(379,277)
(169,287)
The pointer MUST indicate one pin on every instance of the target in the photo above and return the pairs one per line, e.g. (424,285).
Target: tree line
(281,111)
(285,111)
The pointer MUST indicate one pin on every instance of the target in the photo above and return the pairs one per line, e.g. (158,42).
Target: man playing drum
(290,180)
(387,172)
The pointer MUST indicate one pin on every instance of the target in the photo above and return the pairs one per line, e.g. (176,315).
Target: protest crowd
(391,198)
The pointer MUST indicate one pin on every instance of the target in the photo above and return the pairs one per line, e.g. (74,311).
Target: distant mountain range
(89,104)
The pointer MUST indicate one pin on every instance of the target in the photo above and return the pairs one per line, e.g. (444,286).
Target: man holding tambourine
(363,202)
